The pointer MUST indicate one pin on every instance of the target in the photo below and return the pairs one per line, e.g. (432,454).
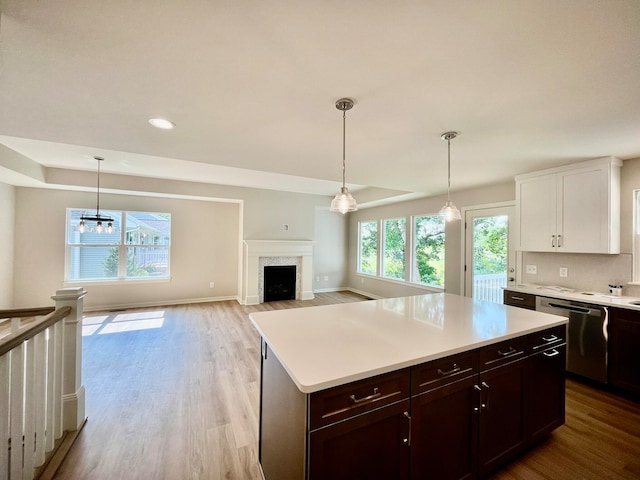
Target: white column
(73,394)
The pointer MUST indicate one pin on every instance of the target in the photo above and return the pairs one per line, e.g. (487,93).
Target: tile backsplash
(584,271)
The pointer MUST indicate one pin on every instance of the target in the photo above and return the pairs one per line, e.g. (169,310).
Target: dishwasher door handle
(571,308)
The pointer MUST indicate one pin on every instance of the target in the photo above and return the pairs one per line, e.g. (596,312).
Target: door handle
(407,440)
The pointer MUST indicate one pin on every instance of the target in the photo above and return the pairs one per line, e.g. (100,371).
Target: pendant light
(99,219)
(449,212)
(344,202)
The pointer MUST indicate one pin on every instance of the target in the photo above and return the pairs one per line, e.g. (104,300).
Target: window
(428,247)
(138,248)
(368,258)
(393,259)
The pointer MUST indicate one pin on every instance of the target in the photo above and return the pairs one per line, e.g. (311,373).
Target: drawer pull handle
(518,298)
(509,351)
(551,354)
(373,396)
(455,369)
(552,338)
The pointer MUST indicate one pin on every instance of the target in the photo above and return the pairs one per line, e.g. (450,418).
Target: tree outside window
(368,259)
(393,260)
(429,247)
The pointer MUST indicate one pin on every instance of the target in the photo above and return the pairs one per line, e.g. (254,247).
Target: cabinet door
(546,390)
(537,209)
(502,433)
(371,445)
(444,437)
(583,223)
(624,360)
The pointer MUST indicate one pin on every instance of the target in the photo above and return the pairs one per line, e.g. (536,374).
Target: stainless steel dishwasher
(587,335)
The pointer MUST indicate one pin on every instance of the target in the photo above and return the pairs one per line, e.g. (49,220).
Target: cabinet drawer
(517,299)
(440,372)
(334,404)
(501,353)
(547,338)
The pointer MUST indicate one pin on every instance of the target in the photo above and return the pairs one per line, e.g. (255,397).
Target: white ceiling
(251,86)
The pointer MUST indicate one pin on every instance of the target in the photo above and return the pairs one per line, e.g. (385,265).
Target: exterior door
(490,259)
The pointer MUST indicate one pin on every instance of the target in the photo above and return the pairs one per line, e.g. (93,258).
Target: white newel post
(73,394)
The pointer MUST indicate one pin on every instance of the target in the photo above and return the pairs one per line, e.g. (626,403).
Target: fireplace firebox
(279,282)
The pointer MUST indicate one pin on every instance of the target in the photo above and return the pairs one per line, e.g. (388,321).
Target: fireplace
(279,282)
(258,254)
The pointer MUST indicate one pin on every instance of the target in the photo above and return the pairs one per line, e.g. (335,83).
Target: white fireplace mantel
(253,250)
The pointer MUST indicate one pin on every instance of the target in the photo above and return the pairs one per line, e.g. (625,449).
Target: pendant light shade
(449,212)
(344,202)
(100,220)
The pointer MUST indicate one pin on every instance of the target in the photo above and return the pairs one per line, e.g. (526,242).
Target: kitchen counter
(596,298)
(327,346)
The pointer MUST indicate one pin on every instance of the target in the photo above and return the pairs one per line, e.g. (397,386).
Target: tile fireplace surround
(258,253)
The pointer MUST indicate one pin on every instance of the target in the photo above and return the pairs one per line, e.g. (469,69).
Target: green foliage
(429,247)
(394,247)
(490,245)
(110,265)
(369,247)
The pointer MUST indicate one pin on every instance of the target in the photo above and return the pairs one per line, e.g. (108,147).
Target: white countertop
(596,298)
(326,346)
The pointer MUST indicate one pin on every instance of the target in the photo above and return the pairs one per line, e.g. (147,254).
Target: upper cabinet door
(572,209)
(583,219)
(537,206)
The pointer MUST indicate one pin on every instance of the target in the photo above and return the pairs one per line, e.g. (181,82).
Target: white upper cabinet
(572,209)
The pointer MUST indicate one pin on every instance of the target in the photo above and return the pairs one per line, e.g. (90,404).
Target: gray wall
(209,223)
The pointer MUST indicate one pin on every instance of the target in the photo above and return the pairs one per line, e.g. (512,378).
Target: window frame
(359,259)
(414,254)
(165,243)
(383,250)
(409,252)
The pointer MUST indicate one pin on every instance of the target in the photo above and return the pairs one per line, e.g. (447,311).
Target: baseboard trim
(165,303)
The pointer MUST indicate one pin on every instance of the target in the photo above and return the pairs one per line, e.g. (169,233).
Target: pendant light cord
(344,141)
(448,168)
(98,196)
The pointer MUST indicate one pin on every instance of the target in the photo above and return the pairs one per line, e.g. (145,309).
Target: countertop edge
(595,298)
(307,389)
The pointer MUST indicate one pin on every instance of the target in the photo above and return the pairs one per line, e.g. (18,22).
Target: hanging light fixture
(99,219)
(344,202)
(449,212)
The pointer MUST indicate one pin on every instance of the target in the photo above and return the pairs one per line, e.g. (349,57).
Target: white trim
(166,303)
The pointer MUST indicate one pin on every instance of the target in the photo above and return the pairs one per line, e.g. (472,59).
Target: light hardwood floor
(173,393)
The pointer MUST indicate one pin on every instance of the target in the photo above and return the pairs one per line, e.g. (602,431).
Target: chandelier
(99,219)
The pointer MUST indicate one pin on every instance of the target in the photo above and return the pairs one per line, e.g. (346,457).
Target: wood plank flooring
(173,393)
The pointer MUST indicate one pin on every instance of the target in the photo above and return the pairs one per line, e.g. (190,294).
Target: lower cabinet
(371,445)
(460,417)
(546,390)
(624,360)
(444,436)
(503,402)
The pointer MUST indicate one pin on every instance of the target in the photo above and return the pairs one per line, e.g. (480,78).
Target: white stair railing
(41,395)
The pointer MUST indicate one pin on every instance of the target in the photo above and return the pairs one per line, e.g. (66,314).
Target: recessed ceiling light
(162,123)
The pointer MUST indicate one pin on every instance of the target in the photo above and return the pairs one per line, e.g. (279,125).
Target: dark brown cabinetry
(624,358)
(517,299)
(361,429)
(444,418)
(460,417)
(372,445)
(502,403)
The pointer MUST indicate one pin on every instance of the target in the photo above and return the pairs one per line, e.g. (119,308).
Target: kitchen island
(429,386)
